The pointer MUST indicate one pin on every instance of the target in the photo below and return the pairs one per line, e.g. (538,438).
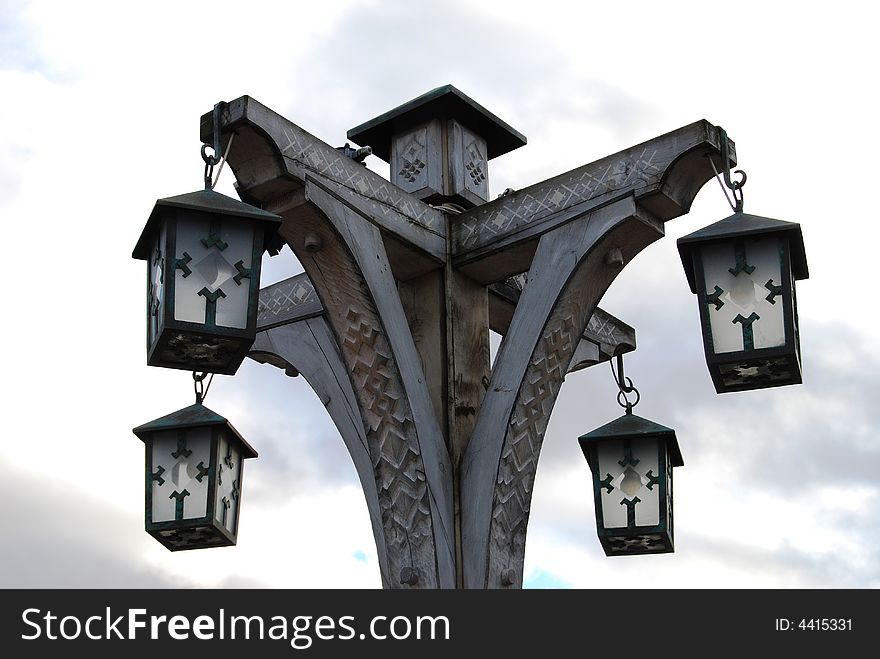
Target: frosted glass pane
(215,271)
(157,286)
(218,269)
(232,309)
(181,460)
(189,306)
(745,309)
(228,492)
(635,479)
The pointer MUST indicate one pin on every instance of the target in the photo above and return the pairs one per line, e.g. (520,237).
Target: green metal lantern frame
(211,533)
(774,366)
(189,345)
(632,539)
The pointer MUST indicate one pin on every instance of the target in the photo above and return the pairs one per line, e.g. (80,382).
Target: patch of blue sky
(541,579)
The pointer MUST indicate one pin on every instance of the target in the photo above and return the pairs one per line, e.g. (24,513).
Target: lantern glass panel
(181,462)
(744,288)
(212,278)
(193,478)
(157,287)
(228,492)
(632,469)
(631,460)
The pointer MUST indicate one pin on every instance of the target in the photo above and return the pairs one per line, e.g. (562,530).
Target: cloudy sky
(101,102)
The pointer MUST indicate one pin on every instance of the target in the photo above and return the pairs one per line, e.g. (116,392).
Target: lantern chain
(625,385)
(735,186)
(215,159)
(200,387)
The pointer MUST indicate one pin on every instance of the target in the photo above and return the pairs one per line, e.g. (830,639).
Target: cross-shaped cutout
(774,291)
(741,263)
(214,240)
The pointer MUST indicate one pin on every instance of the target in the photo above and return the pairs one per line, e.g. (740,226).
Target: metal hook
(199,386)
(621,378)
(735,186)
(625,385)
(211,161)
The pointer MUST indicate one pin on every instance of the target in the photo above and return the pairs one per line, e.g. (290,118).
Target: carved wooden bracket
(389,324)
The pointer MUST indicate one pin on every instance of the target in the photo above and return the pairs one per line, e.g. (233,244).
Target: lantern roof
(635,427)
(444,102)
(191,417)
(207,201)
(743,225)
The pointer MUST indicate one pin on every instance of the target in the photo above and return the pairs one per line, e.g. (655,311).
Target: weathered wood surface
(348,267)
(498,239)
(408,295)
(422,300)
(288,301)
(295,299)
(604,337)
(567,278)
(468,367)
(308,347)
(271,157)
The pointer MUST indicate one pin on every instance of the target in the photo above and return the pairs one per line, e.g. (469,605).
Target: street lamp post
(403,280)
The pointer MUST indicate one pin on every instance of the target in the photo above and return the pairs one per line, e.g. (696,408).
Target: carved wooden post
(389,324)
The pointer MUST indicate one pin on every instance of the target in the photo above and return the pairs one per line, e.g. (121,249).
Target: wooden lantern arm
(389,324)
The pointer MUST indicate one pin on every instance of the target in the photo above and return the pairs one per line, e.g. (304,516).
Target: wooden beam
(604,337)
(271,157)
(422,300)
(295,299)
(289,301)
(498,239)
(570,273)
(348,265)
(394,314)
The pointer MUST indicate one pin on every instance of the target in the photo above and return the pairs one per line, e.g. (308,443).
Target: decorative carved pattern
(412,156)
(280,300)
(386,413)
(601,328)
(640,544)
(757,372)
(482,224)
(481,240)
(411,170)
(295,298)
(475,166)
(384,197)
(528,423)
(605,328)
(518,282)
(200,536)
(211,352)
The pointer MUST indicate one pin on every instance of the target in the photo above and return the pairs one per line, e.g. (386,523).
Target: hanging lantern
(631,460)
(193,478)
(203,252)
(743,270)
